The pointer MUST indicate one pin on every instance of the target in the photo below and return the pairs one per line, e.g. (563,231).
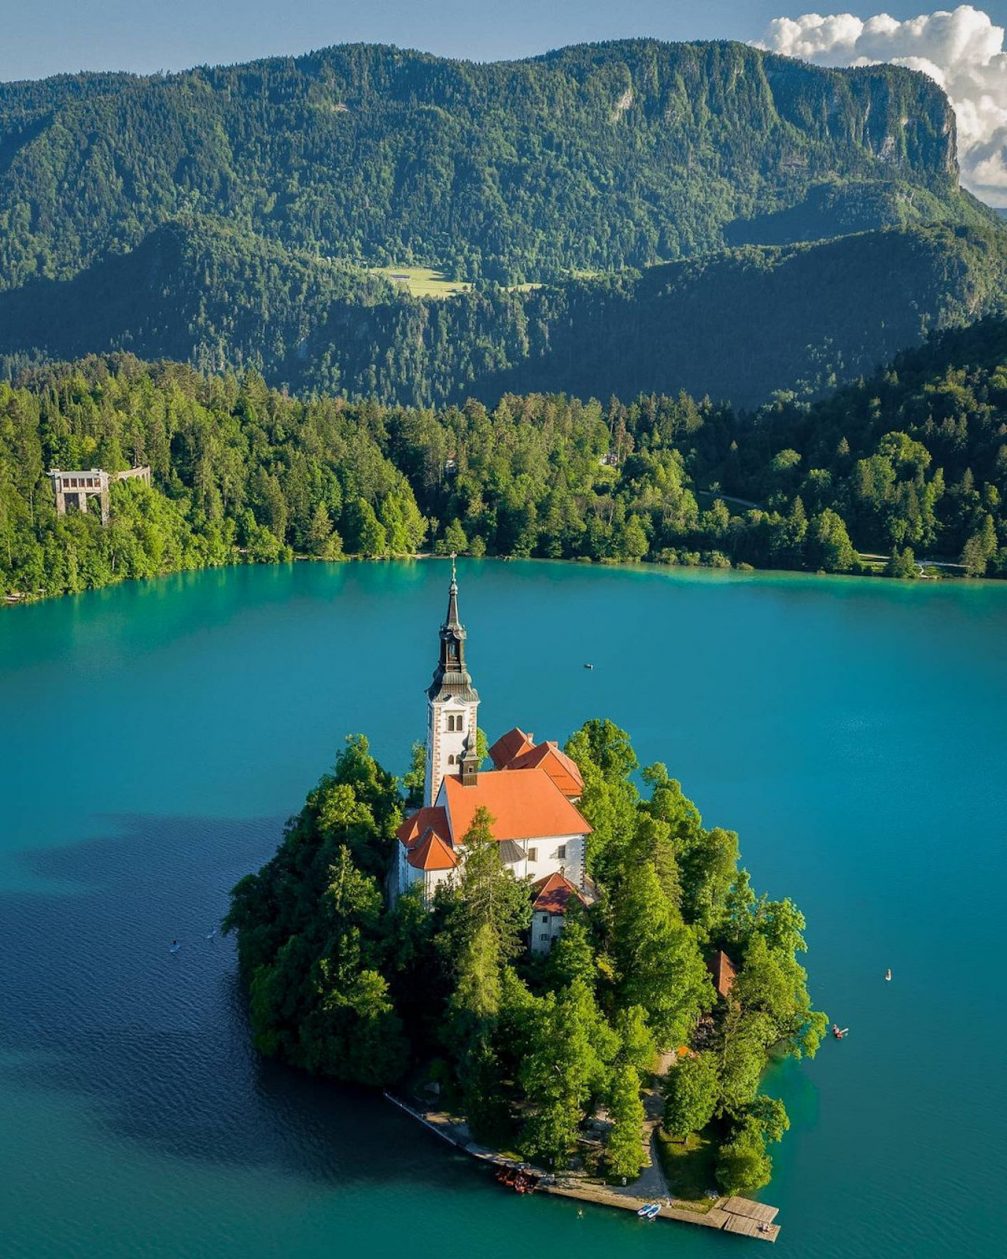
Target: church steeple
(452,703)
(451,677)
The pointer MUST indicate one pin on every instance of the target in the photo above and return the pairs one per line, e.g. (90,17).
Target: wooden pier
(728,1215)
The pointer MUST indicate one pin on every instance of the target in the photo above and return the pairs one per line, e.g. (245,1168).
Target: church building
(531,795)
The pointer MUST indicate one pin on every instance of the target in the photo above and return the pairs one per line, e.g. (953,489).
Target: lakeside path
(729,1215)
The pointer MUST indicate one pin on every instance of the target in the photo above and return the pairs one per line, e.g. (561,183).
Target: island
(555,950)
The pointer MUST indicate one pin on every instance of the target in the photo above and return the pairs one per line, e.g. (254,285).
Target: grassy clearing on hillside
(689,1169)
(423,281)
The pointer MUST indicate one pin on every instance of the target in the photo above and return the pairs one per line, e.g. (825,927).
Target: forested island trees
(909,463)
(530,1049)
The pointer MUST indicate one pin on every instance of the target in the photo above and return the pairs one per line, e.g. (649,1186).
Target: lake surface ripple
(155,737)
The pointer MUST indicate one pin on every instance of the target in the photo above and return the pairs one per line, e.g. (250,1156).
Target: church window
(561,853)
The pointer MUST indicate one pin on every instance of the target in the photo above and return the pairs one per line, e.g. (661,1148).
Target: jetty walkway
(729,1215)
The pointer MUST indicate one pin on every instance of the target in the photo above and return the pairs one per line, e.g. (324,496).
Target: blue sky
(40,37)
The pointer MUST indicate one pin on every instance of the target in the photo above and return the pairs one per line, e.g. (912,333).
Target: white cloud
(962,50)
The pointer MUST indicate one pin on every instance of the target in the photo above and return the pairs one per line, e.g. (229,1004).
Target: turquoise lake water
(154,738)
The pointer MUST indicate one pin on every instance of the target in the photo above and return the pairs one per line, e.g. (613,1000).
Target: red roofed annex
(530,794)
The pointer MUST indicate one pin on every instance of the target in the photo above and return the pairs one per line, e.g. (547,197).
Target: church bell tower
(452,703)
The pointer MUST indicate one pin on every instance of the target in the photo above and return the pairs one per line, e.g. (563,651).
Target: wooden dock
(728,1215)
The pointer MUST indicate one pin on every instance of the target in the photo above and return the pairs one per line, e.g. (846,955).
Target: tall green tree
(565,1071)
(691,1094)
(657,960)
(625,1152)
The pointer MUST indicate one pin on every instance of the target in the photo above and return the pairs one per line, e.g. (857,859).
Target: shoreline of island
(546,940)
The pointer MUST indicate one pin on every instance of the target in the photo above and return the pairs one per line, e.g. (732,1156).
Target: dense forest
(596,156)
(623,211)
(530,1049)
(798,319)
(910,463)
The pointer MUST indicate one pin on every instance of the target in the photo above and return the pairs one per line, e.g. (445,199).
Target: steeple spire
(451,621)
(451,677)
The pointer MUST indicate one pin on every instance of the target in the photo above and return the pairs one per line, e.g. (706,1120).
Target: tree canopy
(532,1049)
(911,462)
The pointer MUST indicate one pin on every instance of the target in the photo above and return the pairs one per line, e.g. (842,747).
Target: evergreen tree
(625,1152)
(658,964)
(980,548)
(565,1070)
(691,1094)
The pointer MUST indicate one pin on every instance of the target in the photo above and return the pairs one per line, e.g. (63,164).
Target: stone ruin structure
(75,488)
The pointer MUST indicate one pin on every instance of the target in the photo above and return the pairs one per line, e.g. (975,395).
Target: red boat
(520,1179)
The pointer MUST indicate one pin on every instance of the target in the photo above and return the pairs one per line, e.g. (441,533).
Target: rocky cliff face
(899,117)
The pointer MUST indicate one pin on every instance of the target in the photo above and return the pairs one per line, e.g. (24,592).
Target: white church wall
(552,854)
(449,722)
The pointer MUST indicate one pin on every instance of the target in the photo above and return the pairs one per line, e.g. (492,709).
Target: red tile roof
(431,853)
(428,817)
(560,768)
(525,805)
(553,894)
(509,745)
(723,971)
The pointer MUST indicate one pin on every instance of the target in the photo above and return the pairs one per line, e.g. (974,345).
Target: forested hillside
(911,463)
(630,215)
(597,156)
(738,326)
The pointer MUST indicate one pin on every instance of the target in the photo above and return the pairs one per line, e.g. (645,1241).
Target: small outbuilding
(552,900)
(723,971)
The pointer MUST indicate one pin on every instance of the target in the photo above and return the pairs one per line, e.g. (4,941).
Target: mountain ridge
(236,216)
(506,170)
